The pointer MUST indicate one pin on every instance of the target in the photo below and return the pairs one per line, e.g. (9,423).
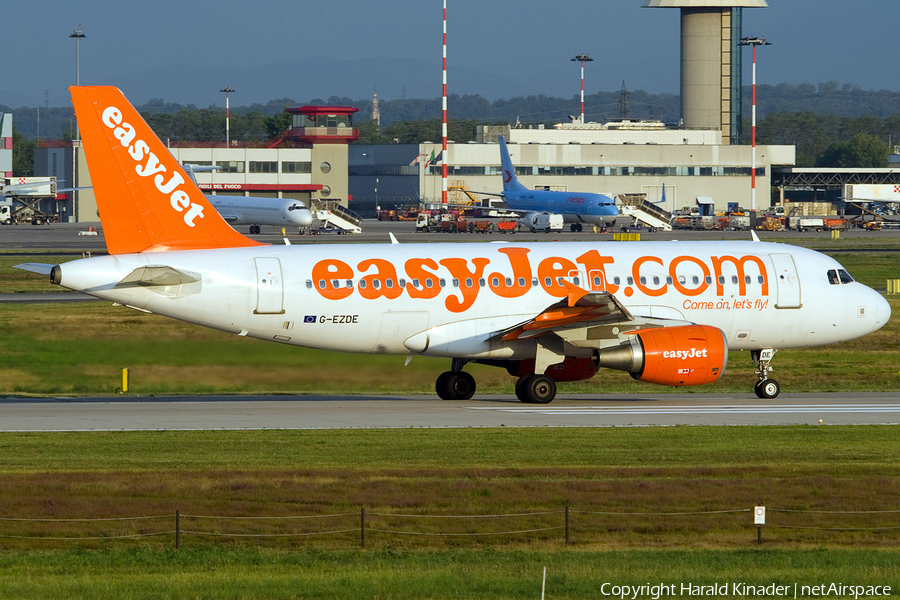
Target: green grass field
(407,472)
(398,475)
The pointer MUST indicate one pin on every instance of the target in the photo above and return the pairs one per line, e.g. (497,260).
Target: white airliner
(255,210)
(665,312)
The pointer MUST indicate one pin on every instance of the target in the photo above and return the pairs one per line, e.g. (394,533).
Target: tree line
(830,125)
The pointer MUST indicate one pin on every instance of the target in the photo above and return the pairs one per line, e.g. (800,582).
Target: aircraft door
(786,281)
(269,287)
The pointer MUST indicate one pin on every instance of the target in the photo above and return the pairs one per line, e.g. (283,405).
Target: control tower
(711,62)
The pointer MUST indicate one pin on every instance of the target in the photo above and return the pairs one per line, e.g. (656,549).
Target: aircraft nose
(882,310)
(304,218)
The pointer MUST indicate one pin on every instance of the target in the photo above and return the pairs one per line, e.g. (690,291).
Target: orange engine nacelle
(685,355)
(571,369)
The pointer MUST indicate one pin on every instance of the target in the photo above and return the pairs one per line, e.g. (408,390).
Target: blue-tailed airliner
(665,312)
(577,208)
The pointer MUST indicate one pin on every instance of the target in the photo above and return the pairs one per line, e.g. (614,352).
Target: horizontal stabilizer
(157,276)
(41,268)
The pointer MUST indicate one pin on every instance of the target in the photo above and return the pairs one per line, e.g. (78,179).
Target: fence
(563,526)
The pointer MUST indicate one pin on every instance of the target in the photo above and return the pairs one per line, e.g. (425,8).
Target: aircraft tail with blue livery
(577,208)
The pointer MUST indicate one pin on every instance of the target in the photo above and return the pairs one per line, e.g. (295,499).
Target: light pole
(582,58)
(227,91)
(753,41)
(78,34)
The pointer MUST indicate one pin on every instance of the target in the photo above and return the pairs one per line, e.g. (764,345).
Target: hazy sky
(528,42)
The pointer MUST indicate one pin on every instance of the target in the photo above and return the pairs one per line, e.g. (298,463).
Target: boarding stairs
(331,215)
(649,214)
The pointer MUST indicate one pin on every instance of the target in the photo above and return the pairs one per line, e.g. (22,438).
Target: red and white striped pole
(751,41)
(582,58)
(753,139)
(444,115)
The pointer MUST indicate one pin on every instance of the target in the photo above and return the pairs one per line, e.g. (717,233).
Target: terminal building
(307,162)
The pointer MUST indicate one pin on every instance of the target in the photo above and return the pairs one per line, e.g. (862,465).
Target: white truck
(542,221)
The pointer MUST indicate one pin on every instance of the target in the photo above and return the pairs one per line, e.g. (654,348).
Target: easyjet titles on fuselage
(418,278)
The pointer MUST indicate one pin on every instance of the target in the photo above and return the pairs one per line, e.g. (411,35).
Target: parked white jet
(666,312)
(255,210)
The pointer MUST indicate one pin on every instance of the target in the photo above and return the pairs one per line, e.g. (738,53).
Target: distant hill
(829,98)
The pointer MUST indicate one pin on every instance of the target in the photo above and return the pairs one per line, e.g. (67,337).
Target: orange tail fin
(147,202)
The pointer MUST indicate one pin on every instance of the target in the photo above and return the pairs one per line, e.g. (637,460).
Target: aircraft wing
(585,319)
(580,308)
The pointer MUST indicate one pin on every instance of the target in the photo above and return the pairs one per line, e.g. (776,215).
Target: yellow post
(283,232)
(124,380)
(835,234)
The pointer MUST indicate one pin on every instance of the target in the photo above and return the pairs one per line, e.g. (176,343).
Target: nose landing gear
(765,388)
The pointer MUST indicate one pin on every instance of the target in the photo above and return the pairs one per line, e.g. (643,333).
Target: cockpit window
(839,276)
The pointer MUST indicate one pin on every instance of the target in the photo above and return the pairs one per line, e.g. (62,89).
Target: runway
(350,412)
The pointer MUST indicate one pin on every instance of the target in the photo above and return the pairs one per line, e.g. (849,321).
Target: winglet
(575,293)
(147,202)
(754,236)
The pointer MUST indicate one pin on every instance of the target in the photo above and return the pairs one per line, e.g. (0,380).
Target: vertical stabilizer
(147,202)
(510,183)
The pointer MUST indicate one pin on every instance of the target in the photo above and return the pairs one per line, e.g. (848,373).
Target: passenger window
(521,282)
(309,283)
(468,282)
(616,280)
(734,279)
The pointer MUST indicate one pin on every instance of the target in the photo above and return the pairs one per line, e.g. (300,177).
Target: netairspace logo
(743,590)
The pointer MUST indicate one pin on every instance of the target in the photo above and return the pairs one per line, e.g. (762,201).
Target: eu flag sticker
(309,319)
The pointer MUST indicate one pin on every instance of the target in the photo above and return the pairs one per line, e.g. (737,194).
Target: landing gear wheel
(455,385)
(254,229)
(767,388)
(520,389)
(536,389)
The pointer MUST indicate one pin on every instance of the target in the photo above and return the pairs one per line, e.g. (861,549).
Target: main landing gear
(765,388)
(455,384)
(535,389)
